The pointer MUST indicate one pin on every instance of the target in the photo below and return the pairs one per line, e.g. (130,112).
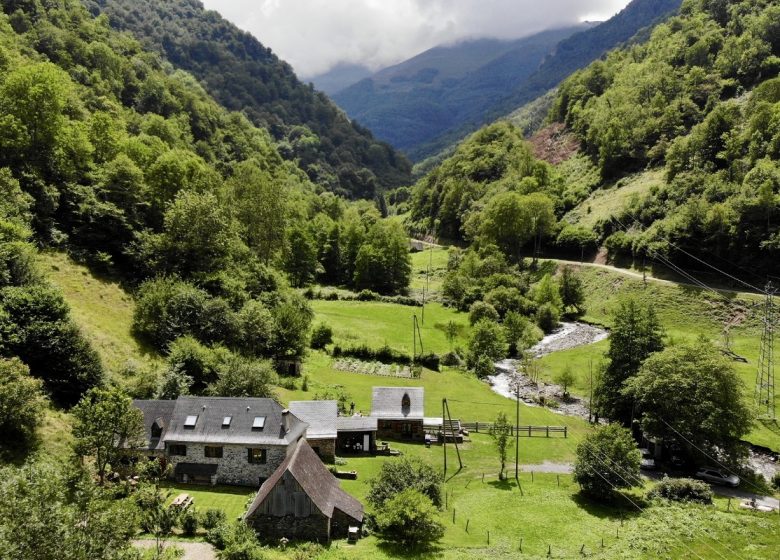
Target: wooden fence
(522,431)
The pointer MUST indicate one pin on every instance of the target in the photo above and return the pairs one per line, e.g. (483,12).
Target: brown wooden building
(302,500)
(399,412)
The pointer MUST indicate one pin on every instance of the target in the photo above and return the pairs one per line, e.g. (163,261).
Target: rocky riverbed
(566,337)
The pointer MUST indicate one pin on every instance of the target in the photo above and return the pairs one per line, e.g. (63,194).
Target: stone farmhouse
(302,499)
(399,412)
(219,440)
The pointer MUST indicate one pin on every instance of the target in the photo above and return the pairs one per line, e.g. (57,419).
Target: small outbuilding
(356,434)
(302,500)
(399,412)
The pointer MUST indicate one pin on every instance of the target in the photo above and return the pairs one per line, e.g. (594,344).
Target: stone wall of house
(325,448)
(340,523)
(234,466)
(315,527)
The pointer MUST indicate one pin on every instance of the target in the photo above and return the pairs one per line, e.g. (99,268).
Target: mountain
(416,101)
(398,119)
(243,75)
(340,77)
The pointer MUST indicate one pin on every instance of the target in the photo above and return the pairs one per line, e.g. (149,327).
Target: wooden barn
(302,500)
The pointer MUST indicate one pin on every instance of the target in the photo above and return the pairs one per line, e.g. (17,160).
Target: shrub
(367,295)
(776,481)
(429,360)
(682,490)
(396,476)
(305,383)
(480,310)
(189,522)
(451,359)
(607,459)
(548,317)
(410,518)
(321,336)
(484,367)
(212,518)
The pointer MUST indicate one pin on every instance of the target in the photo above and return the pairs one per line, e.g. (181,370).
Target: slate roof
(156,411)
(211,412)
(316,480)
(319,415)
(356,424)
(386,403)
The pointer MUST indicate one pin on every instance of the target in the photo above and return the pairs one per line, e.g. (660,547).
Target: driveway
(738,494)
(192,550)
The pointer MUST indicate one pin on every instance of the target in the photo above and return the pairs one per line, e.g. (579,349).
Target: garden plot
(351,365)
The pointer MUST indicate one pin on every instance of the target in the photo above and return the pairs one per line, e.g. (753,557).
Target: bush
(189,522)
(212,518)
(607,459)
(547,317)
(484,367)
(480,310)
(367,295)
(410,518)
(396,476)
(451,359)
(321,336)
(682,490)
(776,481)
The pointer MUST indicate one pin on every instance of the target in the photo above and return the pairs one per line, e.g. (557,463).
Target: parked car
(647,462)
(717,477)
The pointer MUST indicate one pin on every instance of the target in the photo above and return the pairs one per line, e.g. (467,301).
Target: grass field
(433,259)
(101,308)
(603,203)
(376,324)
(233,500)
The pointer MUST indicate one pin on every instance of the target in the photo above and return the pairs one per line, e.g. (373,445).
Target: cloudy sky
(315,35)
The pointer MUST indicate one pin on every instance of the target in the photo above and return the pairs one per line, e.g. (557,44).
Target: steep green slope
(245,76)
(702,101)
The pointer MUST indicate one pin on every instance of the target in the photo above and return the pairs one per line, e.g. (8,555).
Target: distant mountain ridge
(243,75)
(340,77)
(397,122)
(417,100)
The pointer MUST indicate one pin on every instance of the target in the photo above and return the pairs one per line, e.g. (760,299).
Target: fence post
(477,428)
(532,476)
(521,544)
(558,478)
(467,525)
(548,431)
(565,430)
(488,538)
(453,516)
(529,430)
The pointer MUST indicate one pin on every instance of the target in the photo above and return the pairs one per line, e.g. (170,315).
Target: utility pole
(765,377)
(444,434)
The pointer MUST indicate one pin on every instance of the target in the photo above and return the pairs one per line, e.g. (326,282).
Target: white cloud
(315,35)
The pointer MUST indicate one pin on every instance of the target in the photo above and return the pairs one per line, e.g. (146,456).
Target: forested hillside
(415,101)
(698,100)
(702,100)
(127,164)
(243,75)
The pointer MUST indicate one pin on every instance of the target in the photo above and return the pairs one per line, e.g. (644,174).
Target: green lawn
(233,500)
(436,260)
(376,324)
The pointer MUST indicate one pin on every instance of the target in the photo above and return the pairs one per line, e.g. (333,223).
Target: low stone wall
(234,466)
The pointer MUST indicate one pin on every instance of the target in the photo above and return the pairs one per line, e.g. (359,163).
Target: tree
(487,339)
(167,309)
(409,518)
(480,310)
(635,335)
(107,426)
(409,473)
(301,256)
(157,518)
(321,336)
(691,394)
(52,512)
(571,291)
(242,377)
(258,201)
(565,379)
(451,331)
(21,407)
(506,222)
(501,431)
(607,460)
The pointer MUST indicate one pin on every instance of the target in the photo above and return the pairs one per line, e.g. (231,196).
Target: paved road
(192,550)
(742,495)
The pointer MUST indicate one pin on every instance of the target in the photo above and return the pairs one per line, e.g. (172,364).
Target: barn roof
(356,424)
(316,480)
(388,403)
(319,415)
(225,420)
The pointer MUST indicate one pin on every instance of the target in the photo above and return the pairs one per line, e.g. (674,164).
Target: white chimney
(286,420)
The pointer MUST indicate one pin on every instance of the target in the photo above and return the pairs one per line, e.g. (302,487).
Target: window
(256,456)
(259,423)
(191,421)
(156,430)
(177,449)
(226,421)
(213,452)
(406,404)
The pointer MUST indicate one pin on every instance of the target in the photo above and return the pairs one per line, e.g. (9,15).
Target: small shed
(356,434)
(302,500)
